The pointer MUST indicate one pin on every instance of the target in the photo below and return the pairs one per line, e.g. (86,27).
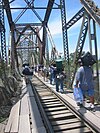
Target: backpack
(88,59)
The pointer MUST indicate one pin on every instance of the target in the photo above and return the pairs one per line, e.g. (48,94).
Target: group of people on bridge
(50,74)
(56,75)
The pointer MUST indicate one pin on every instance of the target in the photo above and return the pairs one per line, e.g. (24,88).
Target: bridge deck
(24,116)
(93,117)
(25,109)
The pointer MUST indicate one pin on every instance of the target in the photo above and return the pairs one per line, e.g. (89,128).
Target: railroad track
(57,116)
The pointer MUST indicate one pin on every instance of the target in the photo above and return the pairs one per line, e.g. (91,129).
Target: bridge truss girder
(75,18)
(30,5)
(88,13)
(92,10)
(80,44)
(3,53)
(64,29)
(14,59)
(45,22)
(89,8)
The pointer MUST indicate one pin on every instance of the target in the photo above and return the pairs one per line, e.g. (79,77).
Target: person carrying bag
(78,96)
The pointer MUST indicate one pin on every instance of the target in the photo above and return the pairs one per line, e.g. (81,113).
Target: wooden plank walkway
(24,116)
(12,124)
(93,117)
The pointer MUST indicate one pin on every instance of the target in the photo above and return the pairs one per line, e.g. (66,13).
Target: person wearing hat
(84,80)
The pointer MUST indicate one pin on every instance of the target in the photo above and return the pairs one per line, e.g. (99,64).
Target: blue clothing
(85,78)
(52,74)
(78,95)
(59,83)
(89,92)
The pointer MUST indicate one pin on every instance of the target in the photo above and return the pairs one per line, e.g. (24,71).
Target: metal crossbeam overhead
(29,47)
(89,8)
(19,16)
(23,11)
(35,31)
(43,22)
(29,40)
(29,5)
(12,8)
(74,19)
(25,24)
(25,28)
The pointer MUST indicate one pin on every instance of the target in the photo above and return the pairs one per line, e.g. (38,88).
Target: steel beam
(8,12)
(22,12)
(89,8)
(80,44)
(28,47)
(74,19)
(25,28)
(25,24)
(1,26)
(3,37)
(46,18)
(29,5)
(13,8)
(65,38)
(48,11)
(12,28)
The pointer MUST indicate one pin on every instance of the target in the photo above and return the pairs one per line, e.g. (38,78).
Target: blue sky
(72,7)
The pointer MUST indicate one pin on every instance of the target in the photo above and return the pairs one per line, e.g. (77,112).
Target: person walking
(52,70)
(59,79)
(84,80)
(27,74)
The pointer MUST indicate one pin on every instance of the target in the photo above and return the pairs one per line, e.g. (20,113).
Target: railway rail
(58,116)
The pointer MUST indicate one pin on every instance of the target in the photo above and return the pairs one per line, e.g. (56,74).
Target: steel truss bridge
(25,42)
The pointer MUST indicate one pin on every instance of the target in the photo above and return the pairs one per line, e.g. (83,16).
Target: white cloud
(55,27)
